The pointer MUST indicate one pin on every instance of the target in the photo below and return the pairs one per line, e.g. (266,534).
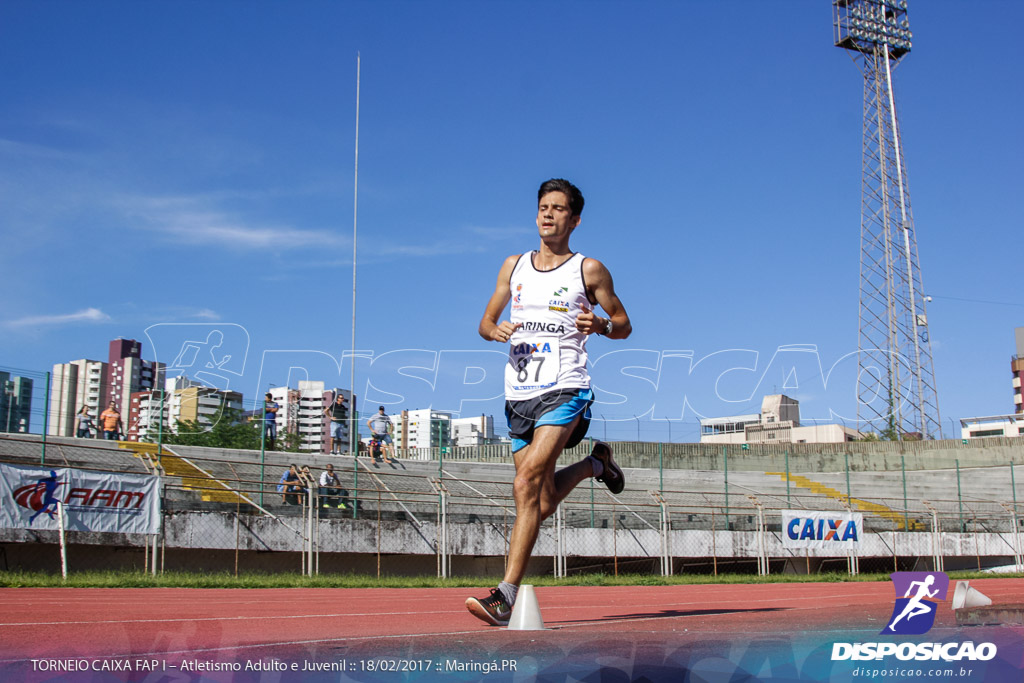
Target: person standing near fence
(338,412)
(84,424)
(110,421)
(553,292)
(380,426)
(270,408)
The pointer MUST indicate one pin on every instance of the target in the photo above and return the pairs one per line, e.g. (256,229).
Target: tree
(289,442)
(228,428)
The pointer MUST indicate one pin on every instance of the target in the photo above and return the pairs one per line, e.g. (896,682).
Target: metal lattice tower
(896,380)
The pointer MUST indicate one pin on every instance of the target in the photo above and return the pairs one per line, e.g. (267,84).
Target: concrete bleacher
(211,478)
(30,451)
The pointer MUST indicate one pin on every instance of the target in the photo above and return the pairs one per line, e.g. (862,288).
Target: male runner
(547,388)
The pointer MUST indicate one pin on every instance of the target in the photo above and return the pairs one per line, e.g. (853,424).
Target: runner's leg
(538,490)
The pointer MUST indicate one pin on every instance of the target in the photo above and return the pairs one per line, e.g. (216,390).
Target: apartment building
(778,422)
(423,428)
(95,384)
(15,403)
(993,425)
(1017,371)
(200,404)
(73,385)
(301,411)
(127,373)
(474,431)
(149,414)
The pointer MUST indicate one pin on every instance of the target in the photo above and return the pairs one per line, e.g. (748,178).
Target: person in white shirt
(381,426)
(330,489)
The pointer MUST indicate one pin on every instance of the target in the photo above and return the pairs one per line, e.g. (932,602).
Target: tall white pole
(905,230)
(352,443)
(63,542)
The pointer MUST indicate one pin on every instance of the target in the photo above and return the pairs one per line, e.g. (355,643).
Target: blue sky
(171,168)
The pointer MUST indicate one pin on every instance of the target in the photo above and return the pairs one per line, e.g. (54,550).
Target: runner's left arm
(601,289)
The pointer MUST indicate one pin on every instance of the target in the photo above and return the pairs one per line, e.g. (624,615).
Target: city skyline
(200,174)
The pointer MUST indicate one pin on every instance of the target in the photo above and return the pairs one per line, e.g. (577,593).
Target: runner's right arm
(489,328)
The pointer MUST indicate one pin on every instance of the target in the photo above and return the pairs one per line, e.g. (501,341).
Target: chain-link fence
(451,514)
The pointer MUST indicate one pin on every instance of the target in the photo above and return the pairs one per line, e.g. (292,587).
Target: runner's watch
(607,328)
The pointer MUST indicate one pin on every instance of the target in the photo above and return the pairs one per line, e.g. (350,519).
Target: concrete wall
(215,541)
(862,456)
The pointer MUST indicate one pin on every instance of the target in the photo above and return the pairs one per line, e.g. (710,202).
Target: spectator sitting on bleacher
(289,486)
(308,482)
(330,488)
(375,450)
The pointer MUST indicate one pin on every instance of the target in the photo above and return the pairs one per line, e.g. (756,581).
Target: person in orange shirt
(110,422)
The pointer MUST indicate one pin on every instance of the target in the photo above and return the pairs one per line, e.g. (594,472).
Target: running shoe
(493,609)
(612,476)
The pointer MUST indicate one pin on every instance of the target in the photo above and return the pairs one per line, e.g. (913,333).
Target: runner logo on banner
(93,501)
(828,530)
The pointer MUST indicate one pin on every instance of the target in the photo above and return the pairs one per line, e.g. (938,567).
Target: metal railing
(229,504)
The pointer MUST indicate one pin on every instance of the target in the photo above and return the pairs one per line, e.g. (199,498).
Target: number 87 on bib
(532,364)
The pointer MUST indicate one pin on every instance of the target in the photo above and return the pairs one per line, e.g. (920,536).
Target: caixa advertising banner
(828,530)
(93,501)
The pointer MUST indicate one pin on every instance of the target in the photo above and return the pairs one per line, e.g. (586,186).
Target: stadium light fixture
(864,25)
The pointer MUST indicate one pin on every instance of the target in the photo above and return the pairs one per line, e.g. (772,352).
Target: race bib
(532,364)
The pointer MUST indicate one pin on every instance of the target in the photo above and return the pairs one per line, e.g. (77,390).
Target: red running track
(221,624)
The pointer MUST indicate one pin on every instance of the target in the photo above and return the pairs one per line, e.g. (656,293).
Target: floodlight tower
(896,381)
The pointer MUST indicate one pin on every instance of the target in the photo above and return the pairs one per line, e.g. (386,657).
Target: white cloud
(193,221)
(212,229)
(24,150)
(176,313)
(88,315)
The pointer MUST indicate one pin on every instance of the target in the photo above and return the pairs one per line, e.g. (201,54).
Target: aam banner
(93,501)
(828,530)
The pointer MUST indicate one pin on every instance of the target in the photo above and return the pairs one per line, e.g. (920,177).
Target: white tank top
(547,353)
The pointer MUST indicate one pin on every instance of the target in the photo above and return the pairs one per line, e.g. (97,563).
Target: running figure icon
(915,606)
(47,486)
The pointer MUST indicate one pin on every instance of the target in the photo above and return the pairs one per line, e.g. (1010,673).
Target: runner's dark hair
(570,190)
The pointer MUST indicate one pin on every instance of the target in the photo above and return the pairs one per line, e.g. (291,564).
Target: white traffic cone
(526,611)
(965,596)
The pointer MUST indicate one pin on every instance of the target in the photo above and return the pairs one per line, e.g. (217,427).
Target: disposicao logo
(914,612)
(917,594)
